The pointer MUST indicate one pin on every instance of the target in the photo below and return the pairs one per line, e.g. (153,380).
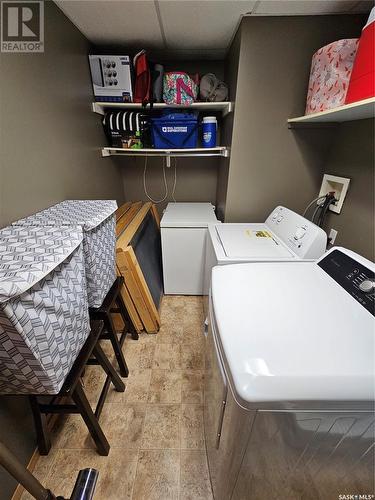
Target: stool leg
(42,432)
(80,399)
(124,371)
(108,368)
(126,318)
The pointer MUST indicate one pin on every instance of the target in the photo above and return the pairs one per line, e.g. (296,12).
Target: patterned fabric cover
(43,307)
(331,68)
(97,219)
(179,88)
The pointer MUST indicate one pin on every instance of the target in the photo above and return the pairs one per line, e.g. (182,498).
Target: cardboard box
(111,78)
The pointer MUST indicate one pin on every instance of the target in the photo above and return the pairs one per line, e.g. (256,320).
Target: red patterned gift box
(331,68)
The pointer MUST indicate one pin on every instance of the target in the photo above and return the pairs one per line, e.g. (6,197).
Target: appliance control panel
(303,237)
(354,277)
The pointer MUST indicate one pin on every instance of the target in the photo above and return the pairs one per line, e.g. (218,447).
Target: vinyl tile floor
(155,428)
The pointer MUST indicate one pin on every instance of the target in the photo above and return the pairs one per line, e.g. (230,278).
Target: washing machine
(183,239)
(284,236)
(289,381)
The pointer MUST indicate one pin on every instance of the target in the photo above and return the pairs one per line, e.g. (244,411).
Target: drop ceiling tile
(110,22)
(204,24)
(363,6)
(304,7)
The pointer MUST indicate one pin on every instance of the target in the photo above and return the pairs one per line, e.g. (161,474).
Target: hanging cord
(145,186)
(312,203)
(330,198)
(175,180)
(316,212)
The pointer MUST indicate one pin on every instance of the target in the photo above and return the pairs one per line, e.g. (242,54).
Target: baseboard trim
(31,467)
(51,422)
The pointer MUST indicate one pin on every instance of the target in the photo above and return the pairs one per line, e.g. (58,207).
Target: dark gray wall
(196,179)
(50,144)
(230,77)
(50,139)
(270,164)
(352,155)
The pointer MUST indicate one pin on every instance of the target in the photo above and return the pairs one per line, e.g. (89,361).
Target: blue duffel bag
(175,131)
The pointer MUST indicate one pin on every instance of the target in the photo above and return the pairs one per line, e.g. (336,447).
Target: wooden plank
(136,294)
(134,316)
(126,236)
(132,264)
(156,215)
(127,218)
(123,209)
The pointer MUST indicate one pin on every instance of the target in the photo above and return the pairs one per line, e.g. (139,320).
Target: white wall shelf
(355,111)
(196,152)
(222,107)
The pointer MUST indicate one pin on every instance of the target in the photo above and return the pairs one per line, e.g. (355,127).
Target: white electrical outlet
(332,236)
(338,185)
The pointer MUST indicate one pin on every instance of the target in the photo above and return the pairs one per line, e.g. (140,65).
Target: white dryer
(289,382)
(284,236)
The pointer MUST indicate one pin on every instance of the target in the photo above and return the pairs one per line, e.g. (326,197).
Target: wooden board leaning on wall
(136,294)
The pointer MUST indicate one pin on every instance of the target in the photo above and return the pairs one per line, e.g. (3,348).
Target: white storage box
(97,219)
(183,239)
(44,319)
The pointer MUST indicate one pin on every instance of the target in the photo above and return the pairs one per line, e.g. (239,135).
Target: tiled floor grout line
(143,426)
(180,424)
(135,475)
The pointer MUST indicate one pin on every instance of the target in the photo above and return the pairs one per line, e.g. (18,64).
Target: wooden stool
(113,303)
(72,390)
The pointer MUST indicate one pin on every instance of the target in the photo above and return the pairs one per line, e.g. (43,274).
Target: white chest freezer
(183,239)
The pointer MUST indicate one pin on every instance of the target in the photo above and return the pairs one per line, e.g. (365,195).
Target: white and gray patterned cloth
(44,319)
(98,221)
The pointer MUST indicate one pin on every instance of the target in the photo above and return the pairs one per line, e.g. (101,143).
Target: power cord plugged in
(323,203)
(166,164)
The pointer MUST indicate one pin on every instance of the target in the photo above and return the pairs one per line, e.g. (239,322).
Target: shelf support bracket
(97,109)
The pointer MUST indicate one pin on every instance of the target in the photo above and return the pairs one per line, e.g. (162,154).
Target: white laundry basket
(97,219)
(44,318)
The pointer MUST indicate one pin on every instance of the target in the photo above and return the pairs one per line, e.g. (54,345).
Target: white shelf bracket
(97,109)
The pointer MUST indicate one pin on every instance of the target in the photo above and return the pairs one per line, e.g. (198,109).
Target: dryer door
(216,391)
